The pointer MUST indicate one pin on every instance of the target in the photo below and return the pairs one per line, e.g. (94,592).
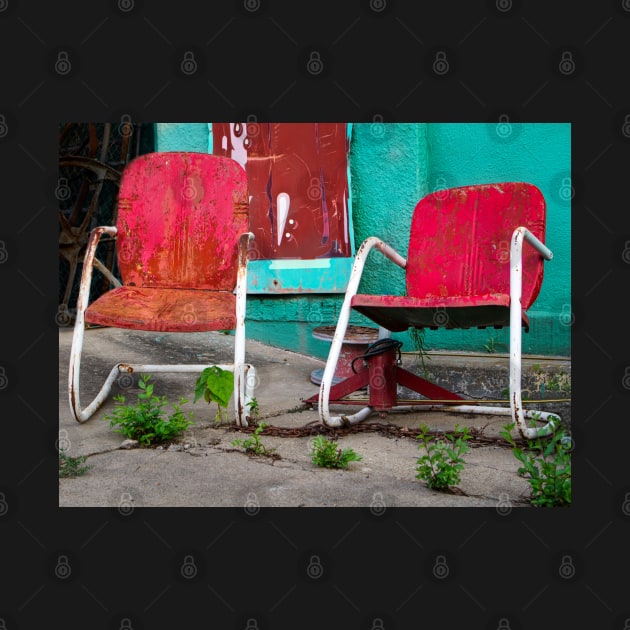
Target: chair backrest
(460,241)
(180,215)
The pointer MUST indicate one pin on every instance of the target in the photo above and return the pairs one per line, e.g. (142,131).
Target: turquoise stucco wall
(181,137)
(535,153)
(394,165)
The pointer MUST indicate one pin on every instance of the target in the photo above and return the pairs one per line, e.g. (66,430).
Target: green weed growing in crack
(546,465)
(146,421)
(254,408)
(215,385)
(443,462)
(417,336)
(72,466)
(253,444)
(492,344)
(327,454)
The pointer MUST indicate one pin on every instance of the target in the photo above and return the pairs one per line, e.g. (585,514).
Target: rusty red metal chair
(475,259)
(182,234)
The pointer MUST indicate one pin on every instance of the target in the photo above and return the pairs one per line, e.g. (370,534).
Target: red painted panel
(298,185)
(179,219)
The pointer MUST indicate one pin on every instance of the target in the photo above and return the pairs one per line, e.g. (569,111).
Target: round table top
(354,334)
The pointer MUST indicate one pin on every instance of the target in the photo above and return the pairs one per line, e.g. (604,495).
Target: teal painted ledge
(278,276)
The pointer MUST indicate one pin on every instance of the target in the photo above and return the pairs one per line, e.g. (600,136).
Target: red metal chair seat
(173,310)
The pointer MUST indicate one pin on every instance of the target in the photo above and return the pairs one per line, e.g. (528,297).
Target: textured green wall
(181,136)
(392,166)
(462,154)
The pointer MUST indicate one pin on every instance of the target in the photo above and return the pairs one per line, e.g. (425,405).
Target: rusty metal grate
(91,157)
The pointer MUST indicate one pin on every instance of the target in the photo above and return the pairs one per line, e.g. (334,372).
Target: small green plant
(146,421)
(215,385)
(418,340)
(72,466)
(254,408)
(254,444)
(442,463)
(327,454)
(557,382)
(546,466)
(493,344)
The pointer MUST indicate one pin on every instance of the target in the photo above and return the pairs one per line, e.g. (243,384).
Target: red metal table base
(382,375)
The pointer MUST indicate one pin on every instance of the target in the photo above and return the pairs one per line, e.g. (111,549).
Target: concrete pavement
(204,469)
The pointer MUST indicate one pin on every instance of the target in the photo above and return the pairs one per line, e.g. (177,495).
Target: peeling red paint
(458,266)
(459,243)
(180,217)
(173,310)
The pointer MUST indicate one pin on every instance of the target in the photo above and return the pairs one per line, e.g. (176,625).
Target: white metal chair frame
(519,415)
(244,373)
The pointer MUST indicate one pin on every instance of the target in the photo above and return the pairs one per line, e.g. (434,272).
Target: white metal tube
(107,273)
(239,333)
(477,409)
(342,421)
(251,382)
(390,252)
(342,325)
(74,369)
(99,399)
(146,368)
(544,251)
(516,286)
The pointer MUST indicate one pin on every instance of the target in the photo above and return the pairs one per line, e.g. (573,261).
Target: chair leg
(74,369)
(516,331)
(245,381)
(244,384)
(340,331)
(519,415)
(329,371)
(74,374)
